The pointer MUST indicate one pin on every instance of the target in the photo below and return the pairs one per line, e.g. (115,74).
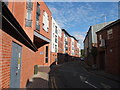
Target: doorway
(102,60)
(15,66)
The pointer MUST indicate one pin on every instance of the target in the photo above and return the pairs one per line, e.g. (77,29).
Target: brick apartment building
(61,46)
(108,38)
(30,36)
(25,35)
(55,43)
(90,43)
(70,49)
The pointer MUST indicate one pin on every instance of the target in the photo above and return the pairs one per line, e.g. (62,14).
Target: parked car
(82,59)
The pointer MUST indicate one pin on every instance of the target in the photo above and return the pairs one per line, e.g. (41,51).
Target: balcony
(66,42)
(28,23)
(66,48)
(29,5)
(38,11)
(37,25)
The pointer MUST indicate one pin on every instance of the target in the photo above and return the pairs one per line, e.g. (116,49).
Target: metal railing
(28,23)
(29,5)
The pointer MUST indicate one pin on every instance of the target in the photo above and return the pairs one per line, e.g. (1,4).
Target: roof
(87,34)
(69,34)
(97,28)
(110,25)
(66,32)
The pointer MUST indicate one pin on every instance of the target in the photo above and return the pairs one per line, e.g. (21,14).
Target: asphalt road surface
(73,75)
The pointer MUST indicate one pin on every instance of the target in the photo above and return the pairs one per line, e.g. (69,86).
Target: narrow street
(74,75)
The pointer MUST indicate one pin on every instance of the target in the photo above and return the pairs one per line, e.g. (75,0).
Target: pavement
(74,74)
(40,80)
(101,73)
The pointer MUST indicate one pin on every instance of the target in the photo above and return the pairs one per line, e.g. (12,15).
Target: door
(15,66)
(102,60)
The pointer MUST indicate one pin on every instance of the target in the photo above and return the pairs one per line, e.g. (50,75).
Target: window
(66,48)
(55,38)
(28,18)
(56,30)
(53,45)
(55,48)
(38,9)
(46,56)
(29,5)
(45,21)
(66,42)
(110,34)
(37,17)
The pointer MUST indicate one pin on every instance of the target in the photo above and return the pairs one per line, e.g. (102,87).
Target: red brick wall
(112,62)
(27,69)
(5,59)
(40,58)
(44,7)
(60,44)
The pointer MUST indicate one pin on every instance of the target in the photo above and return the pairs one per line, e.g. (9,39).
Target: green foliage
(82,52)
(35,69)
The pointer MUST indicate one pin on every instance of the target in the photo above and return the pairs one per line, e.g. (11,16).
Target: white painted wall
(45,21)
(54,34)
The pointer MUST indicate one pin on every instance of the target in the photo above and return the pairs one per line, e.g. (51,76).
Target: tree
(82,52)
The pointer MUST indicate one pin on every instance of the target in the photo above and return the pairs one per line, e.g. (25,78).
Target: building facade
(90,43)
(25,41)
(55,43)
(108,58)
(30,37)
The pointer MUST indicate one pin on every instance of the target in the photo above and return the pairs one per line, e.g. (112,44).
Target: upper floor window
(55,48)
(29,4)
(37,17)
(28,20)
(56,30)
(55,38)
(45,21)
(38,9)
(110,34)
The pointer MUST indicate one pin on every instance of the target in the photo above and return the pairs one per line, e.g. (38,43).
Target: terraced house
(29,37)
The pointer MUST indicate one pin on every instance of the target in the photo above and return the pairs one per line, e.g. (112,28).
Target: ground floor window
(46,56)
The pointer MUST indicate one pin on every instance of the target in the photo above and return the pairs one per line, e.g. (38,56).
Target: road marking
(51,82)
(90,84)
(54,83)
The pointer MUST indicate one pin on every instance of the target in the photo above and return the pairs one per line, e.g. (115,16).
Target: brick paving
(40,80)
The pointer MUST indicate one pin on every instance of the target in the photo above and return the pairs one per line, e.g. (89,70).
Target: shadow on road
(37,83)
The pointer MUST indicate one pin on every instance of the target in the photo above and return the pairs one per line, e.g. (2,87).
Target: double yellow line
(53,83)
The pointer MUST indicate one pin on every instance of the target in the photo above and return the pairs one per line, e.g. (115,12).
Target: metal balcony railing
(28,23)
(29,5)
(38,11)
(38,27)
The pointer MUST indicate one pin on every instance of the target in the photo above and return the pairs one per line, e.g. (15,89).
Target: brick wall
(112,61)
(27,68)
(5,59)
